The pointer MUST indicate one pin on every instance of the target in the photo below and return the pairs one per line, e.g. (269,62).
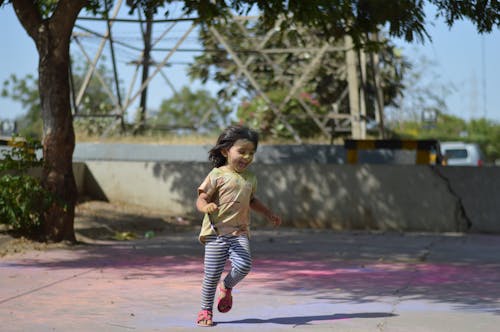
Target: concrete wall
(380,197)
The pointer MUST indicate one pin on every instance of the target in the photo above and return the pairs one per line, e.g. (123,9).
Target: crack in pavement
(424,254)
(34,290)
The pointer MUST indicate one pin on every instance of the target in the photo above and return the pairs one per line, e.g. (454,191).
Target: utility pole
(379,93)
(353,87)
(362,91)
(145,69)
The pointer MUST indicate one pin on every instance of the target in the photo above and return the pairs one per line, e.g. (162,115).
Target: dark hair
(227,139)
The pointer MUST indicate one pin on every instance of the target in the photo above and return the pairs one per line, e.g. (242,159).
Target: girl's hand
(210,208)
(274,219)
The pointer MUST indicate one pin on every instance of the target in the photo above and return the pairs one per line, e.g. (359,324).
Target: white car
(461,154)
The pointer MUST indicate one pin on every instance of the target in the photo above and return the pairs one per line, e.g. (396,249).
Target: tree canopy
(404,18)
(336,18)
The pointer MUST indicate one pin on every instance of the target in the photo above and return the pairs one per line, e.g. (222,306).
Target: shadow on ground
(305,320)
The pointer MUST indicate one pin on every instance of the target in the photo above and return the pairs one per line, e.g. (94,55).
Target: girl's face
(240,155)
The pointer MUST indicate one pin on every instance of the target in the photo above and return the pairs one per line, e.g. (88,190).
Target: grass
(166,139)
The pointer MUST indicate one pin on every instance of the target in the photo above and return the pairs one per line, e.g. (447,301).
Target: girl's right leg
(216,255)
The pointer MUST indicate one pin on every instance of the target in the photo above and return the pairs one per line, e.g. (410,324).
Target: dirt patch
(97,221)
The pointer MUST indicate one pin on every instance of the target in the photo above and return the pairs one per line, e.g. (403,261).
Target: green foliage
(484,14)
(23,200)
(335,18)
(258,114)
(25,91)
(95,101)
(451,128)
(487,135)
(191,110)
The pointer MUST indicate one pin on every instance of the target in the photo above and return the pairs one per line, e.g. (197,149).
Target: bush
(23,200)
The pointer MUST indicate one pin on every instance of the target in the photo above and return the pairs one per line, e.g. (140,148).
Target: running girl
(226,197)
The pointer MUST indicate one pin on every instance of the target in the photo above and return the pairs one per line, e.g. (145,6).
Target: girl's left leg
(241,260)
(241,263)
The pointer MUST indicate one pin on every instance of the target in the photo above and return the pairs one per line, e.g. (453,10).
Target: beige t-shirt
(232,192)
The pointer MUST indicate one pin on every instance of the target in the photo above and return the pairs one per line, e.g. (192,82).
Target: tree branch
(28,15)
(65,14)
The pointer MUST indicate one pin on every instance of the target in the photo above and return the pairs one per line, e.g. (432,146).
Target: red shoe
(205,318)
(225,299)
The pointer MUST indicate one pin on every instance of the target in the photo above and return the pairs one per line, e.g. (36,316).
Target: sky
(464,61)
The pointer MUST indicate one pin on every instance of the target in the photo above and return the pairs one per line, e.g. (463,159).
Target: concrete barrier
(378,197)
(310,186)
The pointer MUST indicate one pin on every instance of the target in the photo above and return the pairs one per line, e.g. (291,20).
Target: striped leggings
(217,251)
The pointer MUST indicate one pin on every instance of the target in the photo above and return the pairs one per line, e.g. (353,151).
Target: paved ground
(301,280)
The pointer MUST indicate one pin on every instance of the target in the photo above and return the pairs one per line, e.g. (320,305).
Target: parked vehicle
(461,154)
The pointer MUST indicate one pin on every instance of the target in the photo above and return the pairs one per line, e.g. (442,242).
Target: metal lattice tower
(156,61)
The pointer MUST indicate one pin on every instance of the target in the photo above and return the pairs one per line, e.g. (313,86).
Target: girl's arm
(203,204)
(258,206)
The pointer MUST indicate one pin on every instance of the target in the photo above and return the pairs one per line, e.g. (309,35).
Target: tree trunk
(52,39)
(58,136)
